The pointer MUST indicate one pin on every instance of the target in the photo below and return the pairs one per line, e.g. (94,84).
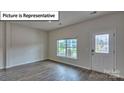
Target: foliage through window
(67,48)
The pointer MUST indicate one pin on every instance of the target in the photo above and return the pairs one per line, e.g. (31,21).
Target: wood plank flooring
(52,71)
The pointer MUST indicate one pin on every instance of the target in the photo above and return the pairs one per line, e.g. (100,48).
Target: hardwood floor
(51,71)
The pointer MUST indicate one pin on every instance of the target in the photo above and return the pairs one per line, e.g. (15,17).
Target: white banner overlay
(4,15)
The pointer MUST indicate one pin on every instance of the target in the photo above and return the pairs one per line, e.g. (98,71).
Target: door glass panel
(102,43)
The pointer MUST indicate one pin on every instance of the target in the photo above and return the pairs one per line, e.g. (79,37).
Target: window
(67,48)
(102,43)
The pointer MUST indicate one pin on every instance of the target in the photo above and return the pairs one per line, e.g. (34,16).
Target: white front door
(103,51)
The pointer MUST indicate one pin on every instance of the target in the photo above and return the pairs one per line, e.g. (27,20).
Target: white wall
(1,45)
(82,32)
(25,45)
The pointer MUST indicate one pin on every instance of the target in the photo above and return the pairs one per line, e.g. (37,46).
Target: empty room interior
(80,46)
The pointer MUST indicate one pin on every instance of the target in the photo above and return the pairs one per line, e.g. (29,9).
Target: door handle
(92,51)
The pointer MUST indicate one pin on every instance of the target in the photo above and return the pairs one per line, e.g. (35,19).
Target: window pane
(61,45)
(72,53)
(102,43)
(71,43)
(72,48)
(67,48)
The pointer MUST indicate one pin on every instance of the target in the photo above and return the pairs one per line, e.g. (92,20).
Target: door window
(102,43)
